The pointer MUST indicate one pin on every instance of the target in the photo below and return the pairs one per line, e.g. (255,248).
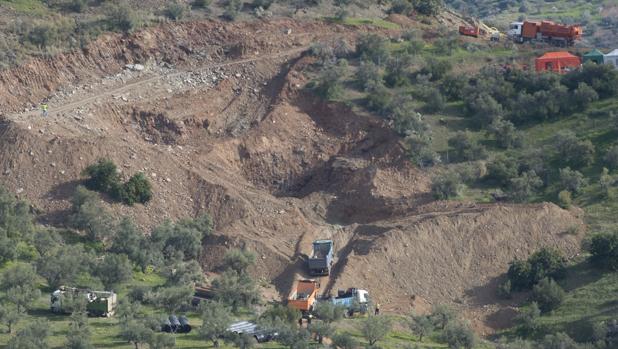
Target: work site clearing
(217,116)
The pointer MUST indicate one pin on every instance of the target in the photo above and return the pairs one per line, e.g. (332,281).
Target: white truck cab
(515,29)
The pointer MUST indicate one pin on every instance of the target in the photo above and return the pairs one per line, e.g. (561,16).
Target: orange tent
(558,62)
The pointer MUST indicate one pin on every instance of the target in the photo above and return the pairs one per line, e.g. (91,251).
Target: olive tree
(458,335)
(375,328)
(446,185)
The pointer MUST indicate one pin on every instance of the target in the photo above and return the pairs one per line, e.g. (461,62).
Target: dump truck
(545,31)
(321,259)
(354,300)
(304,296)
(98,303)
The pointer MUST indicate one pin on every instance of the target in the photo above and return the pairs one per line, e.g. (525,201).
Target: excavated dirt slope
(219,121)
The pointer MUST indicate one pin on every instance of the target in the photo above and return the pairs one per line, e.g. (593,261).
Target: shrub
(216,318)
(401,6)
(201,3)
(265,4)
(114,269)
(368,75)
(501,169)
(235,290)
(523,187)
(573,152)
(446,185)
(606,182)
(548,294)
(435,101)
(601,77)
(406,121)
(77,5)
(7,249)
(428,7)
(442,315)
(559,341)
(173,298)
(421,326)
(372,47)
(466,148)
(329,82)
(603,248)
(121,17)
(137,189)
(437,69)
(452,86)
(379,99)
(505,290)
(103,176)
(571,180)
(564,199)
(397,69)
(238,260)
(527,320)
(611,158)
(89,215)
(375,328)
(175,10)
(183,239)
(232,9)
(34,335)
(583,96)
(484,109)
(459,336)
(420,152)
(62,265)
(345,341)
(43,35)
(507,136)
(544,263)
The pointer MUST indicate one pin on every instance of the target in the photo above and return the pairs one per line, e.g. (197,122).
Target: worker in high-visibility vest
(45,109)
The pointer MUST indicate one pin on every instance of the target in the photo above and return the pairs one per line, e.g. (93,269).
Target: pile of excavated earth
(217,116)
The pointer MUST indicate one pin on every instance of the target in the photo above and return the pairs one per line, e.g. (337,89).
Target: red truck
(546,31)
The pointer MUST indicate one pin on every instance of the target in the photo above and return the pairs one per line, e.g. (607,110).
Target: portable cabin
(612,58)
(595,56)
(558,62)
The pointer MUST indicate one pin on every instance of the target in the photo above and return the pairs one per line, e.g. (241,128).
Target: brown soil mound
(219,122)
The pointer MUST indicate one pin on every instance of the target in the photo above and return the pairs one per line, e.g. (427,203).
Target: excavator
(480,29)
(475,27)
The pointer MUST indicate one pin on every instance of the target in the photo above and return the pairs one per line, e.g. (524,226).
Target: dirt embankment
(221,124)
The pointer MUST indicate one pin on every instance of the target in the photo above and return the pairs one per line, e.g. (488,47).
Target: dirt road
(54,110)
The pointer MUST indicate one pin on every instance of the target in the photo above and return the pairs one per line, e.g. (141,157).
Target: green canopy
(595,55)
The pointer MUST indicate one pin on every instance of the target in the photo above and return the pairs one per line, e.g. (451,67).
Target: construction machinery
(320,261)
(545,31)
(480,29)
(304,296)
(98,303)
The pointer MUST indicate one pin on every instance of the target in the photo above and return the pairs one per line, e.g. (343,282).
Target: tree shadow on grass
(580,275)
